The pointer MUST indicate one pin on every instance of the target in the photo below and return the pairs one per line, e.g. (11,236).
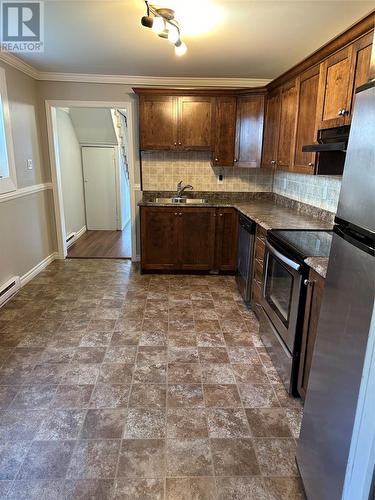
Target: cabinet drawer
(259,251)
(258,272)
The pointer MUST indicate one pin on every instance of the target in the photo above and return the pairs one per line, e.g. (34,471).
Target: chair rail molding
(25,191)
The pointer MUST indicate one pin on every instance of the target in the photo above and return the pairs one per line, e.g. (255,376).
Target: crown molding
(17,63)
(154,81)
(131,80)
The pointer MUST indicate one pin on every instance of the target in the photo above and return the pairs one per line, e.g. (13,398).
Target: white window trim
(7,184)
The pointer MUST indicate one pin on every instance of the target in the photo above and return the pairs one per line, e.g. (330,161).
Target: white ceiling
(249,39)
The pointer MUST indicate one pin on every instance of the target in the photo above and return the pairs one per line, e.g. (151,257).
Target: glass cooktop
(305,243)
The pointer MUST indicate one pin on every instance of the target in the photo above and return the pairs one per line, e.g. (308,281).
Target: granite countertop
(319,264)
(267,213)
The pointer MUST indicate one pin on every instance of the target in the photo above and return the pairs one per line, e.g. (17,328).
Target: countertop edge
(318,264)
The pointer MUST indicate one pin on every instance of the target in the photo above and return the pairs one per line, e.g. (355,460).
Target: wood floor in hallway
(102,245)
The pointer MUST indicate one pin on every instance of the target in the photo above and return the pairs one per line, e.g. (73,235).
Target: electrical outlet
(220,176)
(29,164)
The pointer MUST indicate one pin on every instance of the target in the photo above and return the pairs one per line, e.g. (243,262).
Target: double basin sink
(180,201)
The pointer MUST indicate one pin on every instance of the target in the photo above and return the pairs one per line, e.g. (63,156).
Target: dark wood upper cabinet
(176,122)
(288,112)
(225,131)
(334,96)
(226,239)
(271,129)
(340,75)
(158,122)
(159,237)
(249,131)
(196,238)
(315,289)
(307,91)
(195,114)
(360,73)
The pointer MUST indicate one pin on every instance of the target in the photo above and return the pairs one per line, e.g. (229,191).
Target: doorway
(92,179)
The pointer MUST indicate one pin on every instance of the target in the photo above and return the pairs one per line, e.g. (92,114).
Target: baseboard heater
(9,288)
(70,239)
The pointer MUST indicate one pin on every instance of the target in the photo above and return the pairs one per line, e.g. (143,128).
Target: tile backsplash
(318,190)
(162,170)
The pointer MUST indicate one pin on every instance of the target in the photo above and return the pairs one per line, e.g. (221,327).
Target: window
(7,167)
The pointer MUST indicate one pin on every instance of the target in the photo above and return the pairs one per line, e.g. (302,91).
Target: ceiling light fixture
(163,23)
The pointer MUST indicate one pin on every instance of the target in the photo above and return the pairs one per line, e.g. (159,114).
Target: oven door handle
(280,256)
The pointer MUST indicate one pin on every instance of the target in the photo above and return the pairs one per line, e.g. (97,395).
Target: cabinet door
(250,115)
(195,122)
(287,125)
(225,128)
(271,129)
(196,238)
(226,239)
(159,229)
(158,122)
(307,90)
(310,325)
(334,96)
(360,69)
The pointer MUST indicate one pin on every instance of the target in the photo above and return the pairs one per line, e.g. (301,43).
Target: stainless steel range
(284,293)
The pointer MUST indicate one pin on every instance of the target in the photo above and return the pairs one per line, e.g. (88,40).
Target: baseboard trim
(38,268)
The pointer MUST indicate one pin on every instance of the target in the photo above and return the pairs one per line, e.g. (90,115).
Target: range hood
(332,139)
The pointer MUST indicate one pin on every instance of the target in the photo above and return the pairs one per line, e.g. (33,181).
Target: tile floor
(120,385)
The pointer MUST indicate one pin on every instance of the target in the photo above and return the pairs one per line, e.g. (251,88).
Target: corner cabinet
(188,239)
(225,131)
(271,129)
(175,122)
(288,109)
(315,288)
(249,131)
(305,133)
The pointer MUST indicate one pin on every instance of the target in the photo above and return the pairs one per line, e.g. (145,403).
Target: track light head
(147,21)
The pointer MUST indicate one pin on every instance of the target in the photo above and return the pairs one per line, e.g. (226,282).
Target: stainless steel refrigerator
(346,312)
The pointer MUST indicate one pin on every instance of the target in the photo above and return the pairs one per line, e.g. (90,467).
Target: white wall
(71,173)
(93,126)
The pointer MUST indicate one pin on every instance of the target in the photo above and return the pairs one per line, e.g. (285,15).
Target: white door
(99,177)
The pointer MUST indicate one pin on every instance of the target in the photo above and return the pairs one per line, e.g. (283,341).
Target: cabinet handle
(216,159)
(176,213)
(235,160)
(175,143)
(311,164)
(341,112)
(273,162)
(345,112)
(220,215)
(180,214)
(308,282)
(179,143)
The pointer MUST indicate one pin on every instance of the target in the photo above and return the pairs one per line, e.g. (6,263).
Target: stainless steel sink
(180,201)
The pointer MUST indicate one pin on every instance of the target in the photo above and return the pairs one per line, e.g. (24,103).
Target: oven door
(281,293)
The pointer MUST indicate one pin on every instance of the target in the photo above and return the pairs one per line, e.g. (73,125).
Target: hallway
(102,245)
(120,385)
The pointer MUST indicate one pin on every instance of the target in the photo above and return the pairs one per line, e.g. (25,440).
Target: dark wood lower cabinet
(314,297)
(188,239)
(159,226)
(196,234)
(226,239)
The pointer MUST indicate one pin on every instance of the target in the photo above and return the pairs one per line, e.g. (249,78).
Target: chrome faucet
(181,189)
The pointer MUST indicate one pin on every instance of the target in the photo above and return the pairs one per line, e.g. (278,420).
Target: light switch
(29,164)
